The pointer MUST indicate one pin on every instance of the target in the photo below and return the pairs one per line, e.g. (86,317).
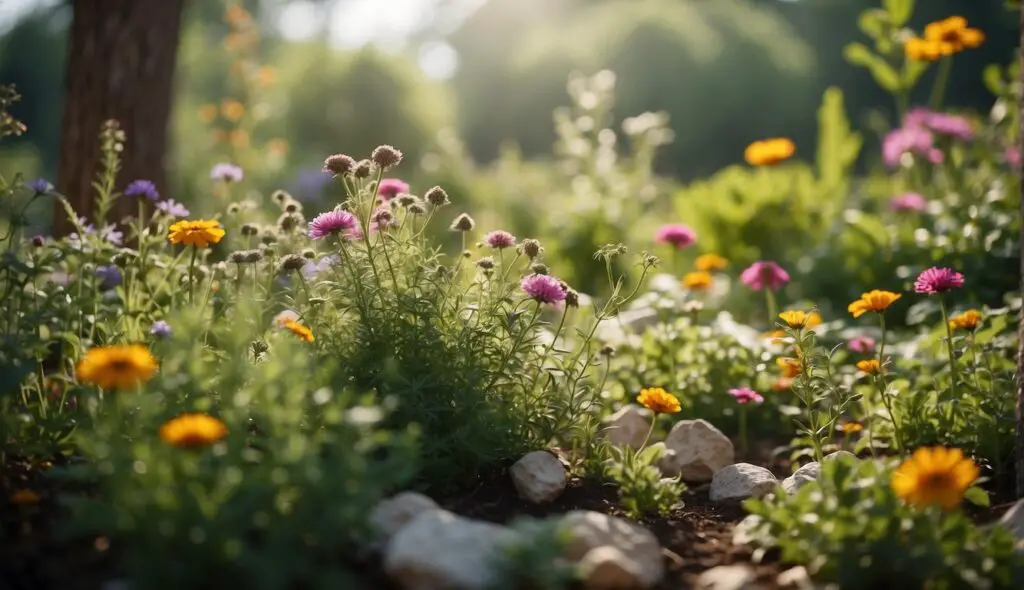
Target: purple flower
(764,274)
(314,267)
(172,208)
(938,280)
(161,329)
(40,186)
(333,222)
(1012,156)
(909,140)
(142,188)
(676,234)
(908,203)
(746,395)
(110,234)
(941,123)
(390,187)
(109,276)
(861,344)
(500,240)
(543,288)
(227,172)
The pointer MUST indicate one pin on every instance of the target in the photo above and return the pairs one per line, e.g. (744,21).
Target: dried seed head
(38,241)
(607,350)
(239,256)
(268,238)
(363,169)
(288,222)
(234,209)
(250,229)
(417,209)
(531,248)
(254,256)
(463,223)
(291,263)
(339,164)
(405,199)
(292,206)
(539,268)
(437,197)
(386,156)
(382,216)
(280,197)
(309,253)
(485,263)
(572,298)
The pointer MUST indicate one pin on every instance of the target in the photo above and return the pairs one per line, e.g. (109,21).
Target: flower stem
(191,273)
(769,298)
(883,387)
(743,430)
(953,373)
(650,431)
(941,80)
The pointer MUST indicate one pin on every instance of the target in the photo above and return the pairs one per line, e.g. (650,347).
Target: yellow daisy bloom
(658,400)
(116,367)
(697,281)
(870,366)
(710,262)
(968,320)
(299,330)
(934,476)
(919,49)
(875,300)
(953,35)
(191,431)
(768,152)
(790,366)
(200,233)
(801,319)
(851,427)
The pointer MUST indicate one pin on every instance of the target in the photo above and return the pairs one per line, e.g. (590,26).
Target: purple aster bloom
(941,123)
(909,140)
(227,172)
(938,280)
(908,203)
(172,208)
(676,234)
(500,240)
(160,328)
(40,186)
(390,187)
(110,234)
(333,222)
(543,288)
(142,188)
(315,267)
(109,276)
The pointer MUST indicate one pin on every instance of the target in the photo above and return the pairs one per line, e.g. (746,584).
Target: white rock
(802,476)
(1013,520)
(741,533)
(741,481)
(627,427)
(795,577)
(838,454)
(696,451)
(390,515)
(439,550)
(538,477)
(727,577)
(636,555)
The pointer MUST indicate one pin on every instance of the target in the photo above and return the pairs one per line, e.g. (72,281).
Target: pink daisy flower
(861,344)
(764,274)
(938,280)
(676,234)
(746,395)
(908,203)
(500,240)
(332,223)
(543,288)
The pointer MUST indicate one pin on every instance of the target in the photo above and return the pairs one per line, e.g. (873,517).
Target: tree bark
(1020,357)
(122,56)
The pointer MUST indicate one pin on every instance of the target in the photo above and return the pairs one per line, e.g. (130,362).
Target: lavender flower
(40,186)
(909,140)
(315,267)
(109,276)
(940,123)
(333,222)
(938,280)
(160,329)
(172,208)
(499,240)
(142,188)
(543,288)
(227,172)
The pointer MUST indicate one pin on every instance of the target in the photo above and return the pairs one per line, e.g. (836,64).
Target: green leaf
(871,22)
(859,55)
(977,496)
(912,71)
(899,11)
(993,78)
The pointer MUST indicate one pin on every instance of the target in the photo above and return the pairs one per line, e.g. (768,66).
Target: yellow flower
(697,281)
(232,110)
(934,476)
(919,49)
(767,152)
(968,320)
(24,496)
(790,366)
(953,35)
(207,113)
(710,262)
(872,301)
(298,329)
(236,15)
(190,431)
(851,427)
(801,319)
(870,366)
(658,400)
(776,335)
(116,367)
(200,233)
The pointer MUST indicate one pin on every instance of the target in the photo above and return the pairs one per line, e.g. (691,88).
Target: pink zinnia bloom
(1012,156)
(908,203)
(746,395)
(333,222)
(861,344)
(941,123)
(912,140)
(543,288)
(938,280)
(390,187)
(764,274)
(676,234)
(500,240)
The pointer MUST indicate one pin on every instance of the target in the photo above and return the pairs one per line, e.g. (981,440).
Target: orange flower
(851,427)
(277,146)
(200,233)
(299,330)
(768,152)
(801,319)
(934,476)
(710,262)
(697,281)
(870,366)
(266,76)
(875,300)
(658,400)
(232,110)
(192,431)
(207,113)
(790,366)
(968,320)
(240,138)
(116,367)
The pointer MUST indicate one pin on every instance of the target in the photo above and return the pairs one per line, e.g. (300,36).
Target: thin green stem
(953,371)
(941,81)
(883,387)
(773,310)
(191,273)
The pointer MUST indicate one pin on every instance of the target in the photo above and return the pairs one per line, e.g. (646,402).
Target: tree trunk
(1020,357)
(121,62)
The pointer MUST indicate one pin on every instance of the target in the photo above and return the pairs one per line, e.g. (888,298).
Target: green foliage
(642,488)
(849,528)
(536,564)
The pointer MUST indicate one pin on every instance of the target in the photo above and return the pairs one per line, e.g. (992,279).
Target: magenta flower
(764,274)
(390,187)
(940,123)
(499,240)
(333,223)
(676,234)
(746,395)
(938,280)
(909,140)
(543,288)
(908,203)
(861,344)
(1012,156)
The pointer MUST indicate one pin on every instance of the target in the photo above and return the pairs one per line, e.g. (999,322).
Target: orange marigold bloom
(851,427)
(232,110)
(24,496)
(116,367)
(870,366)
(200,233)
(710,262)
(801,319)
(192,431)
(299,330)
(768,152)
(658,400)
(790,366)
(240,138)
(953,35)
(968,320)
(934,476)
(266,76)
(697,281)
(919,49)
(875,300)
